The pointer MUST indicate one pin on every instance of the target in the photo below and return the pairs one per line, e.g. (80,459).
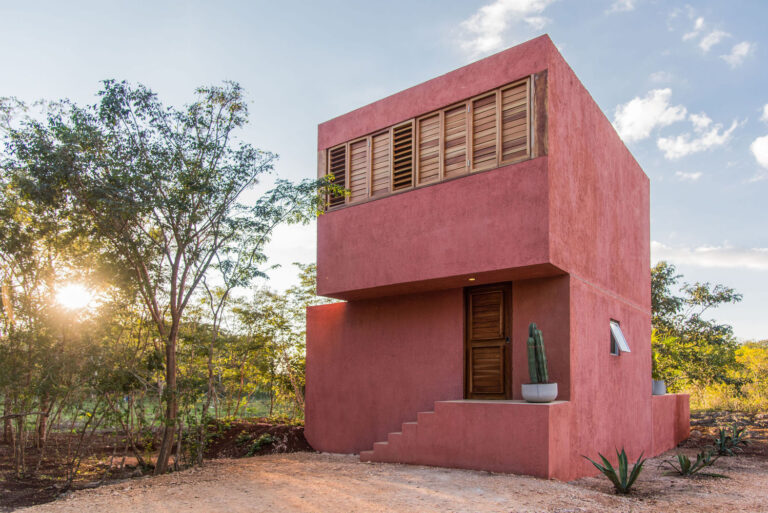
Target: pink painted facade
(567,230)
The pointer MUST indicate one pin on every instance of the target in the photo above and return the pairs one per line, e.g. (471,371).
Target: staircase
(498,436)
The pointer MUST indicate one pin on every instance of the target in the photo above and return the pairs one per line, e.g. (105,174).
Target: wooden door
(487,344)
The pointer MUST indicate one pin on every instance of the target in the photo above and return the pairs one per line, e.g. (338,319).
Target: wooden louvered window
(402,156)
(337,166)
(358,170)
(484,132)
(515,124)
(455,130)
(428,129)
(381,172)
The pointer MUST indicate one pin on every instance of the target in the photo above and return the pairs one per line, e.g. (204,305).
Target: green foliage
(622,478)
(690,350)
(537,358)
(264,440)
(729,443)
(157,190)
(686,468)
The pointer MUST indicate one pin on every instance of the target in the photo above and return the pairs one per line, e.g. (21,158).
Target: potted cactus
(539,390)
(658,386)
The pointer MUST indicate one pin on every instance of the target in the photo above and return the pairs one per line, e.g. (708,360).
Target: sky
(685,85)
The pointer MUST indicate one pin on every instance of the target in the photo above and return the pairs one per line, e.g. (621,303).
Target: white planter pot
(659,387)
(540,392)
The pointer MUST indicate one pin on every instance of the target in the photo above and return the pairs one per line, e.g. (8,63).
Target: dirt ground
(229,439)
(308,482)
(311,482)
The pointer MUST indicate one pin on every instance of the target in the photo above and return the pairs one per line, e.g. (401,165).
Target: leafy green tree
(688,348)
(159,188)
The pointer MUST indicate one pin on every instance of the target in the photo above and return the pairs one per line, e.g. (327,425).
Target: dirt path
(309,482)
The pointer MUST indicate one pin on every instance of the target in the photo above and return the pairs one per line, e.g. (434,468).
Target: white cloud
(622,6)
(485,30)
(659,77)
(759,149)
(764,116)
(636,119)
(739,52)
(707,136)
(698,26)
(700,121)
(711,39)
(689,177)
(712,256)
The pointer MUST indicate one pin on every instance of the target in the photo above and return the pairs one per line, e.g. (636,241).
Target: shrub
(621,477)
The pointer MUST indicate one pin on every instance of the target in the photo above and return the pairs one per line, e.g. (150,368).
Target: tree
(160,189)
(689,349)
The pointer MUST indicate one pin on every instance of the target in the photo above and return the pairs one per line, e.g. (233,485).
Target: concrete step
(366,456)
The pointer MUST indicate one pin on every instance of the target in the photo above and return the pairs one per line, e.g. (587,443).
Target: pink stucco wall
(373,364)
(570,230)
(493,436)
(485,223)
(671,421)
(599,196)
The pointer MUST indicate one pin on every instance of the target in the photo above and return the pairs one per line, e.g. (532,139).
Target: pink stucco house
(482,200)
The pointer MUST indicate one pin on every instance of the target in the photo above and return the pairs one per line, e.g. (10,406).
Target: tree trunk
(42,421)
(7,426)
(171,403)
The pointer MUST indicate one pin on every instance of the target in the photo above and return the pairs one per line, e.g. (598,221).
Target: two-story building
(480,201)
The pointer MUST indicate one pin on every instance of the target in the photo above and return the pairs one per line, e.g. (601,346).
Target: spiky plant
(686,468)
(728,444)
(621,477)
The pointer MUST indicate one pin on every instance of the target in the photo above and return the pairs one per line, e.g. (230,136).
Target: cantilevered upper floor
(504,169)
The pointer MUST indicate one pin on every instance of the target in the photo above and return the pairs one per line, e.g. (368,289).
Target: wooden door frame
(506,288)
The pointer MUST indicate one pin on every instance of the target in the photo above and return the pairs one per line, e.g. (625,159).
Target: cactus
(537,358)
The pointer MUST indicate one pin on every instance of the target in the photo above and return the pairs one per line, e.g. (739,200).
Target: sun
(74,296)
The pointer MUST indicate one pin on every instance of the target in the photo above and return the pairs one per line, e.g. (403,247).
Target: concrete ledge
(671,421)
(498,436)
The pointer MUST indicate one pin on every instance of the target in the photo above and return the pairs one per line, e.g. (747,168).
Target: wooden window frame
(346,173)
(392,129)
(371,137)
(443,134)
(471,128)
(368,170)
(528,81)
(417,147)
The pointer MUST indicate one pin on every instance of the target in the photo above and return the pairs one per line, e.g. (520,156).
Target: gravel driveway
(310,482)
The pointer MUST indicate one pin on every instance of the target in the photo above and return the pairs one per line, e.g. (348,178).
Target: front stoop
(498,436)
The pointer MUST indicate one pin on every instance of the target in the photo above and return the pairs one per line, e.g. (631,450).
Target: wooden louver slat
(358,170)
(429,149)
(484,126)
(337,166)
(381,180)
(514,122)
(402,156)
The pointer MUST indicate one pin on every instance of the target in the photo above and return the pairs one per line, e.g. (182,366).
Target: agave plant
(728,444)
(621,477)
(685,467)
